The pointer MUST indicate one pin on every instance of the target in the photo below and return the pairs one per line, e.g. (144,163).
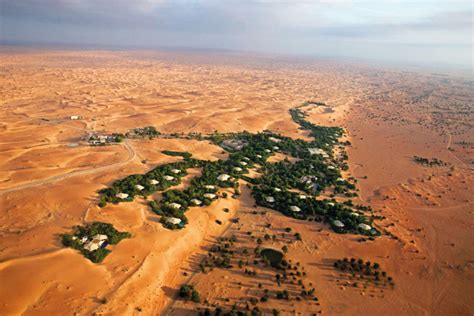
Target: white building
(121,195)
(238,169)
(243,163)
(270,199)
(173,220)
(295,208)
(209,187)
(168,178)
(276,147)
(338,223)
(259,156)
(364,226)
(223,177)
(275,140)
(175,205)
(268,151)
(96,242)
(209,195)
(175,171)
(154,182)
(139,187)
(277,189)
(74,117)
(196,202)
(302,197)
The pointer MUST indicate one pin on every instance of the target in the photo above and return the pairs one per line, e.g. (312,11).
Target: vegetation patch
(426,162)
(273,256)
(363,273)
(92,239)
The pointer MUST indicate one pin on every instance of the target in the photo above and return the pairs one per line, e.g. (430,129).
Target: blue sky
(401,31)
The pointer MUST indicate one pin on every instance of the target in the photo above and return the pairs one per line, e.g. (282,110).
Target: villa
(277,189)
(173,220)
(196,202)
(209,187)
(295,208)
(270,199)
(121,195)
(96,242)
(276,147)
(259,156)
(223,177)
(268,151)
(238,169)
(74,117)
(243,163)
(337,223)
(175,171)
(275,140)
(210,195)
(302,197)
(139,187)
(168,178)
(364,226)
(175,205)
(154,182)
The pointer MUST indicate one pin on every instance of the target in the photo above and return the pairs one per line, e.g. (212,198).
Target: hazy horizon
(422,33)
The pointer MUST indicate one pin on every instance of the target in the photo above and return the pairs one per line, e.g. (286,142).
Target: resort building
(209,195)
(196,202)
(223,177)
(121,195)
(270,199)
(209,187)
(139,187)
(154,182)
(168,178)
(175,171)
(295,208)
(173,220)
(96,242)
(337,223)
(175,205)
(364,226)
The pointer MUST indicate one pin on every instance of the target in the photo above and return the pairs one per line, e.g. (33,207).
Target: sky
(415,32)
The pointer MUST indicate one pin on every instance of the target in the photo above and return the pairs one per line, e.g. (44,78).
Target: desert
(52,179)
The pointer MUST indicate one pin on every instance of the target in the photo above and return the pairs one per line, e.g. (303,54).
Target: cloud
(305,27)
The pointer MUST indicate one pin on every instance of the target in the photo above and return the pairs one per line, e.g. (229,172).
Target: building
(268,151)
(302,197)
(96,242)
(154,182)
(277,189)
(175,205)
(243,163)
(121,195)
(196,202)
(337,223)
(275,140)
(139,187)
(168,178)
(295,208)
(74,117)
(175,171)
(364,226)
(209,187)
(173,220)
(238,169)
(209,195)
(259,156)
(223,177)
(270,199)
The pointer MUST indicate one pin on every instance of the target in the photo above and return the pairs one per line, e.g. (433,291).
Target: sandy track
(131,156)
